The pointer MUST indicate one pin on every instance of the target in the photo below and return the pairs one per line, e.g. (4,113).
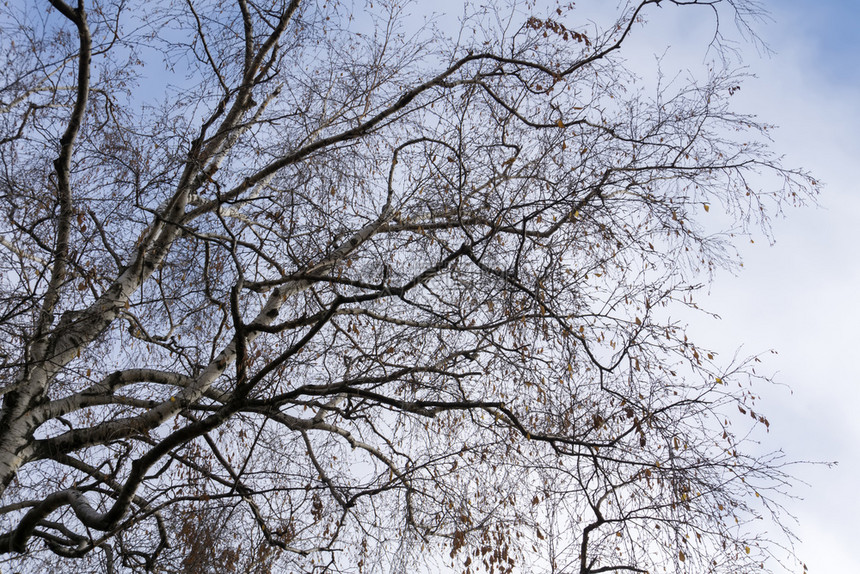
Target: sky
(799,296)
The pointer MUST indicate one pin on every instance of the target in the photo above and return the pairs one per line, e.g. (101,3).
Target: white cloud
(800,296)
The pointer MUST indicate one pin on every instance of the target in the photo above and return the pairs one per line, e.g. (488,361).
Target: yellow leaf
(747,548)
(560,123)
(707,207)
(681,555)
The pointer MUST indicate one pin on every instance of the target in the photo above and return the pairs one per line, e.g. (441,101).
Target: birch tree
(313,286)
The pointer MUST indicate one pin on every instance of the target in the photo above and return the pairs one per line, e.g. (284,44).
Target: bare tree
(308,286)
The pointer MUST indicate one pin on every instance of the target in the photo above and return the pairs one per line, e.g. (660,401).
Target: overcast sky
(800,296)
